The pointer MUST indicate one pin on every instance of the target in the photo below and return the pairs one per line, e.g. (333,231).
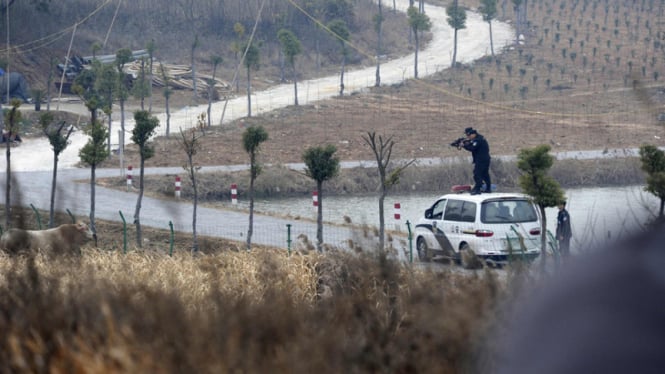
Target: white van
(490,227)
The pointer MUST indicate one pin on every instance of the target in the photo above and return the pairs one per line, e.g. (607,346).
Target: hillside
(585,77)
(215,29)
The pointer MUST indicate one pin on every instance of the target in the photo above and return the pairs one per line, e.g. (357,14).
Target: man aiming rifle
(480,151)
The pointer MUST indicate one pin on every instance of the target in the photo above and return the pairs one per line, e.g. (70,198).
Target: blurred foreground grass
(258,311)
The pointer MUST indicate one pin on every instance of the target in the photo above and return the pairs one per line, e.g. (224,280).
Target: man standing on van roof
(480,150)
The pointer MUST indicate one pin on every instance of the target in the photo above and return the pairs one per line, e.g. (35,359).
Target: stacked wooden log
(180,78)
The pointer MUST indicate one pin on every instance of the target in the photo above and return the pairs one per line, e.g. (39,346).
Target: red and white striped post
(234,194)
(315,200)
(129,177)
(397,215)
(177,186)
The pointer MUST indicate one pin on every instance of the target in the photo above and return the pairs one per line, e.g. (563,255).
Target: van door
(458,221)
(440,239)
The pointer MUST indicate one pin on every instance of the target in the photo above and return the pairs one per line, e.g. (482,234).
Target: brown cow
(64,239)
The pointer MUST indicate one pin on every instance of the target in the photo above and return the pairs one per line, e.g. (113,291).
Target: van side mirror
(428,213)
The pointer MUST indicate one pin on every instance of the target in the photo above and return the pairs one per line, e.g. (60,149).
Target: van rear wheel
(468,258)
(424,253)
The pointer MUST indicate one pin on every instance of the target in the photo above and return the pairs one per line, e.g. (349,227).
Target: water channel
(597,214)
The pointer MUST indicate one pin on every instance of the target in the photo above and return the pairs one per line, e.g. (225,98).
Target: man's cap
(469,131)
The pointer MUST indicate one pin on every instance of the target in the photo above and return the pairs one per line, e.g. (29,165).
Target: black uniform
(480,150)
(563,232)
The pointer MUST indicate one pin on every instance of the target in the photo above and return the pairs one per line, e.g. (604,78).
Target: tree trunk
(168,116)
(108,143)
(121,138)
(382,220)
(51,215)
(319,217)
(249,94)
(377,79)
(8,185)
(341,77)
(295,84)
(415,64)
(250,229)
(210,88)
(137,212)
(454,49)
(150,86)
(282,66)
(93,227)
(491,39)
(195,242)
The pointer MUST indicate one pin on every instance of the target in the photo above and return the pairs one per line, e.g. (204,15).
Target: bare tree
(189,142)
(383,149)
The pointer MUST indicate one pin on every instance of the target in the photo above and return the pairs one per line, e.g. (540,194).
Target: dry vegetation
(265,311)
(240,312)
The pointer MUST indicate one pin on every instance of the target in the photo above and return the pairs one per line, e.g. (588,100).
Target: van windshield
(508,211)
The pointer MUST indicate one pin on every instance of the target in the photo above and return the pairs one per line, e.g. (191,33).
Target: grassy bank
(279,181)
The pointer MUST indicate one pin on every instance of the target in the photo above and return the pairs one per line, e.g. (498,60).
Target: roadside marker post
(129,177)
(315,200)
(397,215)
(234,194)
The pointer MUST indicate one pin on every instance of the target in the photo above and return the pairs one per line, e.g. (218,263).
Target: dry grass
(249,312)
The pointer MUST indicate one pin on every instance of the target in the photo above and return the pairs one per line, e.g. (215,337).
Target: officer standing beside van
(563,230)
(480,150)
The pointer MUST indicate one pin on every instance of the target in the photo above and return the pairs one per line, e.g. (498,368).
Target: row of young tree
(321,165)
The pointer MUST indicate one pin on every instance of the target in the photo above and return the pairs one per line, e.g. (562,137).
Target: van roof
(486,196)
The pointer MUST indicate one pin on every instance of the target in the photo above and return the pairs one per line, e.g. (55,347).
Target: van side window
(469,212)
(437,209)
(453,210)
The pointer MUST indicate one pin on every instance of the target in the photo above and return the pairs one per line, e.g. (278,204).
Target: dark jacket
(563,229)
(479,148)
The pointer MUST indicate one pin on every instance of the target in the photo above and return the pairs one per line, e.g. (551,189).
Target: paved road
(33,161)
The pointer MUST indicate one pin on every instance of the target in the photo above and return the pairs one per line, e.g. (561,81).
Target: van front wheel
(424,253)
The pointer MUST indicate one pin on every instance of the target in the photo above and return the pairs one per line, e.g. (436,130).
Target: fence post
(288,237)
(408,226)
(71,215)
(177,186)
(39,219)
(129,177)
(234,194)
(172,239)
